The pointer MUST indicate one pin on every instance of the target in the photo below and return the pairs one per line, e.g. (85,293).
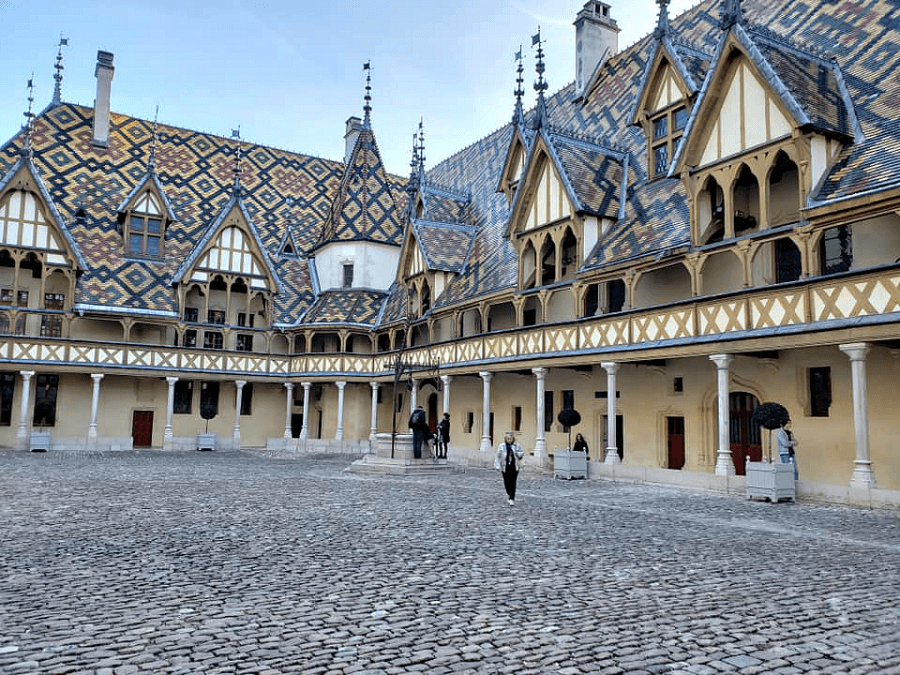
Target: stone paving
(233,562)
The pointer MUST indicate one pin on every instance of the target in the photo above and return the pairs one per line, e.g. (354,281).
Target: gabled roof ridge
(682,44)
(444,191)
(777,39)
(148,177)
(586,142)
(437,223)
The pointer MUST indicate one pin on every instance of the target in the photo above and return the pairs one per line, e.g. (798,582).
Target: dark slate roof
(350,306)
(443,205)
(444,245)
(593,174)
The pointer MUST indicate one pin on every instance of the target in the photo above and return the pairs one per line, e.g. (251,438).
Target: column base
(612,456)
(725,465)
(540,450)
(485,444)
(863,476)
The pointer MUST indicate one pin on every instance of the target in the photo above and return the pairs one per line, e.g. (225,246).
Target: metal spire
(540,85)
(57,89)
(662,25)
(151,163)
(731,13)
(412,187)
(367,108)
(29,120)
(421,153)
(519,112)
(236,133)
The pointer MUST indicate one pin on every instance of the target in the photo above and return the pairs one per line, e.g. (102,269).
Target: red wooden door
(142,428)
(745,434)
(676,442)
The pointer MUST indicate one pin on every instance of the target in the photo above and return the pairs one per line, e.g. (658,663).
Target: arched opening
(32,263)
(788,261)
(745,435)
(194,303)
(721,273)
(710,213)
(548,262)
(426,297)
(300,344)
(280,344)
(328,343)
(218,294)
(384,342)
(529,266)
(663,286)
(501,316)
(569,255)
(836,250)
(470,323)
(259,315)
(746,202)
(561,306)
(531,311)
(419,335)
(784,191)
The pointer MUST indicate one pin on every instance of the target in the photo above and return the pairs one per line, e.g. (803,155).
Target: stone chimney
(104,73)
(354,127)
(596,39)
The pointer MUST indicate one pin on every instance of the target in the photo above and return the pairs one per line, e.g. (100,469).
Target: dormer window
(668,128)
(348,275)
(145,226)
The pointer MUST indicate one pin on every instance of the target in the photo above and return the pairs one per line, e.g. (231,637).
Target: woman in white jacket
(507,461)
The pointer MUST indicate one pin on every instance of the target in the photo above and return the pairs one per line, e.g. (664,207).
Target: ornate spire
(540,85)
(519,113)
(57,88)
(662,25)
(151,163)
(412,187)
(367,108)
(29,120)
(236,133)
(731,13)
(421,152)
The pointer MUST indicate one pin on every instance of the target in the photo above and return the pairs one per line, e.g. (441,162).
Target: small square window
(212,339)
(216,316)
(819,391)
(190,338)
(191,314)
(678,385)
(244,342)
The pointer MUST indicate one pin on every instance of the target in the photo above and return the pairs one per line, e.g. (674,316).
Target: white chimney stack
(104,73)
(596,39)
(354,127)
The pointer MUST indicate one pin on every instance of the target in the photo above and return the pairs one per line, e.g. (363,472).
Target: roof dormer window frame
(665,128)
(143,231)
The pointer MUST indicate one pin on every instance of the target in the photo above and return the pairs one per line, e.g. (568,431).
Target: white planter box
(40,441)
(773,481)
(568,464)
(206,441)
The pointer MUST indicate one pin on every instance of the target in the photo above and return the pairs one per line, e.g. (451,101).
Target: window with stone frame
(247,399)
(183,400)
(212,339)
(666,128)
(819,391)
(46,388)
(190,338)
(244,342)
(51,324)
(836,250)
(144,226)
(7,390)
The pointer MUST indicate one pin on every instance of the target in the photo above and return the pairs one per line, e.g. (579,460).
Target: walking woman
(507,461)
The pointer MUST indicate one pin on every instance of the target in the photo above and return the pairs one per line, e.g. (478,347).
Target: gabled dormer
(514,164)
(144,216)
(770,122)
(570,194)
(228,278)
(433,254)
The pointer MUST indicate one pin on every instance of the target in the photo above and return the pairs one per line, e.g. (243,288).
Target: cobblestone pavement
(244,563)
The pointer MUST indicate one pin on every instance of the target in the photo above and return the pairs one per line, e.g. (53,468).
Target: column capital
(856,351)
(446,379)
(26,374)
(306,385)
(722,361)
(340,385)
(240,383)
(539,372)
(610,367)
(96,377)
(375,385)
(485,375)
(289,386)
(171,379)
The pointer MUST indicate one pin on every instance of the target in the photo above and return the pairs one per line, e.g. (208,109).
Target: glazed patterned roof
(444,245)
(307,200)
(353,306)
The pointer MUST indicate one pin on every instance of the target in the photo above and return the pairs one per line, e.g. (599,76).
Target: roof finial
(151,163)
(662,25)
(236,133)
(29,120)
(421,153)
(367,108)
(731,13)
(519,112)
(540,86)
(57,89)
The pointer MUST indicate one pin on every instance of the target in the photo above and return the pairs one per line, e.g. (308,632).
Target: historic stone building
(697,224)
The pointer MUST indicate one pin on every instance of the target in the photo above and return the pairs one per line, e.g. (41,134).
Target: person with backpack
(444,436)
(418,423)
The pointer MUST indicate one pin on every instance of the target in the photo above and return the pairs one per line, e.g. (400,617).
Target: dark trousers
(509,482)
(418,437)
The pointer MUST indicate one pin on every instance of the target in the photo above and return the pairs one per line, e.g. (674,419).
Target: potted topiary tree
(206,440)
(769,478)
(569,464)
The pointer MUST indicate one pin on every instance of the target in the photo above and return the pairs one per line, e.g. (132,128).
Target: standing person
(580,444)
(444,436)
(786,444)
(507,461)
(418,423)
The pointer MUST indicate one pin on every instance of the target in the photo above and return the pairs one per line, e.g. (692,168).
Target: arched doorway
(745,434)
(432,411)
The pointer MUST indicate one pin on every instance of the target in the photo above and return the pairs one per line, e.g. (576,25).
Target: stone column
(289,387)
(863,475)
(374,429)
(236,433)
(612,449)
(339,434)
(540,441)
(486,412)
(446,379)
(22,431)
(170,410)
(413,396)
(95,404)
(724,463)
(304,430)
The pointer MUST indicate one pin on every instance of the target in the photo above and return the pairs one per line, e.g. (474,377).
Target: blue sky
(289,72)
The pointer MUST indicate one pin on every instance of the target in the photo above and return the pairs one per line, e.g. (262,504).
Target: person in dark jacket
(444,436)
(508,461)
(418,423)
(580,444)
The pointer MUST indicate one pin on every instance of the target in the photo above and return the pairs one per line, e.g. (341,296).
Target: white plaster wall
(374,265)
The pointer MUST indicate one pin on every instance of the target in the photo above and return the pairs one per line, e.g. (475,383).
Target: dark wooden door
(745,434)
(676,442)
(432,412)
(142,428)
